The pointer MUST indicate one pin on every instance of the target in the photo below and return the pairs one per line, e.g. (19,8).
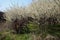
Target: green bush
(33,27)
(54,30)
(10,36)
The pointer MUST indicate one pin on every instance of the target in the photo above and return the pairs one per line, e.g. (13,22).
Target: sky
(6,3)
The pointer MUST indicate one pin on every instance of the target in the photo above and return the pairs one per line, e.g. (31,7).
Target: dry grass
(35,10)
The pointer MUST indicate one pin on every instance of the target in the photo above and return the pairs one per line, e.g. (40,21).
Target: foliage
(54,30)
(9,36)
(33,27)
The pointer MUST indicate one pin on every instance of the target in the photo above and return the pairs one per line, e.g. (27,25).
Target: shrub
(33,27)
(20,26)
